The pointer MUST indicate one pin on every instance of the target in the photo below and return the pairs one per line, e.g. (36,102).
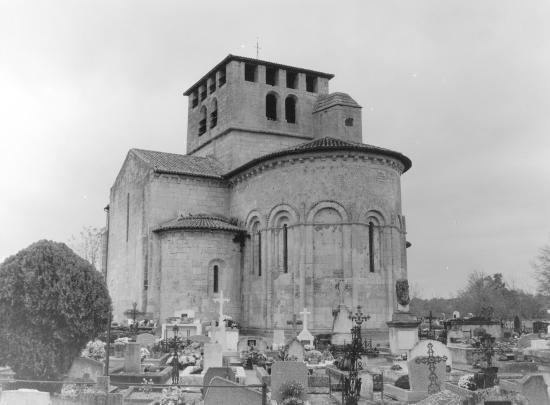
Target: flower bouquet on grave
(467,381)
(94,350)
(292,393)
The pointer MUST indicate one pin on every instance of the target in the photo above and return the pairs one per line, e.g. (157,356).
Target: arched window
(371,247)
(271,107)
(290,109)
(256,249)
(214,114)
(202,122)
(285,248)
(215,282)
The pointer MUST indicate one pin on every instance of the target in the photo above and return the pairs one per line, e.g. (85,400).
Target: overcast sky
(461,87)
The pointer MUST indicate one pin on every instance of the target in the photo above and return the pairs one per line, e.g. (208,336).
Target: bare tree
(88,245)
(541,264)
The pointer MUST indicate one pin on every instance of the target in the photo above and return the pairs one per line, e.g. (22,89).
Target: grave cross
(305,313)
(430,319)
(294,322)
(431,361)
(221,300)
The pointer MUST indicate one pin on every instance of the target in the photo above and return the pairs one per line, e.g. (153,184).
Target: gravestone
(85,369)
(132,358)
(283,372)
(234,394)
(25,397)
(535,389)
(213,355)
(439,349)
(427,373)
(278,338)
(223,372)
(525,340)
(145,339)
(367,385)
(296,350)
(341,330)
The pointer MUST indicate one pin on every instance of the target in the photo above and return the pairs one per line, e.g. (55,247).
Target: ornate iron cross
(431,361)
(294,322)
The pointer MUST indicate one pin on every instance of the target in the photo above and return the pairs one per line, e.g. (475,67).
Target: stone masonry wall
(185,277)
(328,202)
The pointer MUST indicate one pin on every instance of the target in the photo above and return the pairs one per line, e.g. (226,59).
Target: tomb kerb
(403,328)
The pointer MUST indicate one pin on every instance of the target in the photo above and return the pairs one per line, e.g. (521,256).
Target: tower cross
(258,48)
(305,313)
(221,301)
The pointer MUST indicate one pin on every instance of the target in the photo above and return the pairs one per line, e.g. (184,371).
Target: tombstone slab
(223,372)
(85,369)
(283,372)
(234,394)
(25,397)
(427,375)
(296,349)
(145,339)
(132,358)
(213,355)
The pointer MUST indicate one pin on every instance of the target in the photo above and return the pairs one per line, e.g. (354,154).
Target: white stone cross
(221,300)
(305,313)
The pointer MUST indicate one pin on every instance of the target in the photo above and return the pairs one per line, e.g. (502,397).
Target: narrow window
(348,122)
(212,87)
(291,79)
(290,110)
(271,76)
(195,98)
(215,284)
(214,114)
(285,248)
(221,80)
(203,91)
(311,84)
(250,72)
(259,253)
(371,247)
(202,122)
(271,107)
(127,216)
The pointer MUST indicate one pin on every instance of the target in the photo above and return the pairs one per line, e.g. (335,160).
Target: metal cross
(431,361)
(221,300)
(258,48)
(294,322)
(359,317)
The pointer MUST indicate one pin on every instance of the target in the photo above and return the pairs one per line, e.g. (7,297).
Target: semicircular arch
(324,205)
(279,210)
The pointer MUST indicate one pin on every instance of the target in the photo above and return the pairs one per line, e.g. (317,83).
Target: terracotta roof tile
(326,144)
(172,163)
(200,221)
(325,101)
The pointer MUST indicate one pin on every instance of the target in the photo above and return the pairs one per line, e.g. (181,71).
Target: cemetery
(300,297)
(465,365)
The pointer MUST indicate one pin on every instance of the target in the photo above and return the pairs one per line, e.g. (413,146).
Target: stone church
(277,203)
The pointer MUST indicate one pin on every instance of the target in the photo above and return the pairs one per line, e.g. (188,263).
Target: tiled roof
(199,221)
(325,101)
(172,163)
(326,144)
(230,57)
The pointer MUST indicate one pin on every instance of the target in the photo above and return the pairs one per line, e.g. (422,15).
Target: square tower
(244,108)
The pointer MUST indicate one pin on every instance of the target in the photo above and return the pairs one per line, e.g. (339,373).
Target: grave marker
(145,339)
(234,394)
(427,373)
(283,372)
(212,355)
(132,358)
